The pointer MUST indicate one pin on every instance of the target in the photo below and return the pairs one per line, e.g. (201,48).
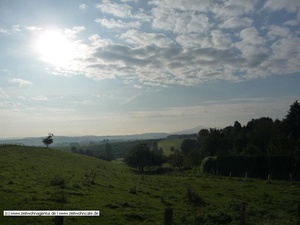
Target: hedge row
(279,167)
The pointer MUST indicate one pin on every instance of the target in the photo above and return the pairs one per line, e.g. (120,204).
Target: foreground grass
(39,178)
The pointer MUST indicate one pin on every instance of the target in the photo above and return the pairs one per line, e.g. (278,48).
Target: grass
(47,179)
(166,144)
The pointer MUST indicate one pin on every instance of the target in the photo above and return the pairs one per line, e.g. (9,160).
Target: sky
(135,66)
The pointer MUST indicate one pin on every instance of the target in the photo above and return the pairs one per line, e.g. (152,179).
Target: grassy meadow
(166,144)
(33,178)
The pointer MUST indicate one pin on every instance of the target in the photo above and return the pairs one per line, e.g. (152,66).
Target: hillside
(166,144)
(34,178)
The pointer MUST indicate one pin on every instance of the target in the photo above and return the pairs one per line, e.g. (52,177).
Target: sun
(55,48)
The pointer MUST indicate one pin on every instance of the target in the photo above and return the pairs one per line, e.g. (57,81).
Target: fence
(168,216)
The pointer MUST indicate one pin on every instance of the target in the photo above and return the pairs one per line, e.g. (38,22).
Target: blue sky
(132,66)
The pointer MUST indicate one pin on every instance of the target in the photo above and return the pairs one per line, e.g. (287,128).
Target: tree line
(106,152)
(259,137)
(263,137)
(144,155)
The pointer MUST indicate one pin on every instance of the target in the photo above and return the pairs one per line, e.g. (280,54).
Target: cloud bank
(186,43)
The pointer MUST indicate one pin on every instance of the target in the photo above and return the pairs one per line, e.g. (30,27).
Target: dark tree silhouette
(177,159)
(292,121)
(188,145)
(141,156)
(48,140)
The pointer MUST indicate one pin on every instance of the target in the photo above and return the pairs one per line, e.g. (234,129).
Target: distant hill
(66,140)
(194,130)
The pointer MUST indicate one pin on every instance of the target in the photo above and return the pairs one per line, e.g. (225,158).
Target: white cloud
(234,8)
(291,6)
(291,23)
(251,36)
(14,29)
(129,0)
(40,98)
(71,33)
(138,38)
(288,5)
(3,94)
(277,32)
(4,31)
(21,97)
(178,21)
(252,50)
(118,10)
(283,49)
(191,5)
(83,6)
(186,43)
(20,82)
(194,40)
(220,39)
(117,24)
(236,22)
(33,28)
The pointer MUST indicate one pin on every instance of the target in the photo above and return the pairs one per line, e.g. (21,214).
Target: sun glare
(55,48)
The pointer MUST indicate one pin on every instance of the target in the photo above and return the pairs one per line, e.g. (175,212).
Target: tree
(194,159)
(109,153)
(141,156)
(177,159)
(188,145)
(211,142)
(74,149)
(157,157)
(48,140)
(292,121)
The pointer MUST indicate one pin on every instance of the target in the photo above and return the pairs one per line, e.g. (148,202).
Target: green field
(166,144)
(47,179)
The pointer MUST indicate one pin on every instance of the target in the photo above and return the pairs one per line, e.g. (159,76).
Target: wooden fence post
(59,220)
(298,213)
(243,213)
(168,216)
(269,179)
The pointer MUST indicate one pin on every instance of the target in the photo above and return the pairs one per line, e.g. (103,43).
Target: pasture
(166,144)
(34,178)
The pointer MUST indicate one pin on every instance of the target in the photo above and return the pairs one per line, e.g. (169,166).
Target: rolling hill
(33,178)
